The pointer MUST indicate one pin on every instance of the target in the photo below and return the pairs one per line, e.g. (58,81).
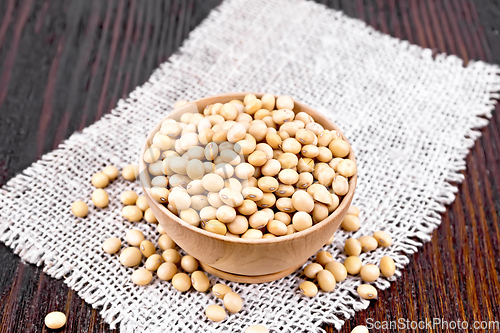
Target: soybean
(338,270)
(233,302)
(387,266)
(79,209)
(181,282)
(367,291)
(142,277)
(215,313)
(369,273)
(307,288)
(382,238)
(111,245)
(326,280)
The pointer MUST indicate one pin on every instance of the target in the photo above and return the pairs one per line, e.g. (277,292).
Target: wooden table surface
(63,64)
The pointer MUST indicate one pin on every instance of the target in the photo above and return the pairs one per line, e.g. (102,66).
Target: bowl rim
(144,176)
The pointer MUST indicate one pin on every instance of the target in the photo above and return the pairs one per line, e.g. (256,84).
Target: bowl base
(249,278)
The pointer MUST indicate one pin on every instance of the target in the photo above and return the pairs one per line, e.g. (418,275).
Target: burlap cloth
(410,117)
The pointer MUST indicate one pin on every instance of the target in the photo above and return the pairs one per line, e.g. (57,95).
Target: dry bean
(100,180)
(324,138)
(368,243)
(268,200)
(284,102)
(315,128)
(288,160)
(305,179)
(305,165)
(326,280)
(252,234)
(387,266)
(252,193)
(283,135)
(134,237)
(150,155)
(180,200)
(111,172)
(367,291)
(214,199)
(130,257)
(189,264)
(195,187)
(142,277)
(215,313)
(149,216)
(324,155)
(216,227)
(304,117)
(283,217)
(290,229)
(274,140)
(257,158)
(55,320)
(153,262)
(353,210)
(339,148)
(271,168)
(369,273)
(200,281)
(256,329)
(147,248)
(244,170)
(307,288)
(268,184)
(130,172)
(323,257)
(99,198)
(351,223)
(335,203)
(181,282)
(261,114)
(160,194)
(285,190)
(239,225)
(302,201)
(288,176)
(285,205)
(277,228)
(208,213)
(305,137)
(212,182)
(231,197)
(283,115)
(195,169)
(159,181)
(128,197)
(220,290)
(226,214)
(318,167)
(253,106)
(219,136)
(248,207)
(323,197)
(310,151)
(233,302)
(267,149)
(268,101)
(142,203)
(165,242)
(166,271)
(229,111)
(340,185)
(171,255)
(383,238)
(291,145)
(352,247)
(360,329)
(301,221)
(327,178)
(111,245)
(258,219)
(353,265)
(337,269)
(312,270)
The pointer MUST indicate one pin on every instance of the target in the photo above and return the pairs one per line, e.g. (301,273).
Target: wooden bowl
(246,260)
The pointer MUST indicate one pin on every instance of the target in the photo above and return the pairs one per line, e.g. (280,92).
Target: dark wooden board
(63,64)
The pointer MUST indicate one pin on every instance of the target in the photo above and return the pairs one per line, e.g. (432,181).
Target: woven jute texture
(411,117)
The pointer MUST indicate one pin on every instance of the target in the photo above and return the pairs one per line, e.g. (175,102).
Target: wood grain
(65,63)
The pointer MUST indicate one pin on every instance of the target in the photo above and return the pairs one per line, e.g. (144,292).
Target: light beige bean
(324,155)
(291,145)
(337,269)
(284,102)
(360,329)
(320,212)
(180,200)
(253,106)
(351,223)
(268,200)
(238,226)
(229,111)
(339,148)
(305,165)
(220,290)
(288,160)
(327,178)
(100,198)
(216,227)
(225,214)
(151,154)
(200,281)
(369,273)
(305,179)
(166,271)
(189,264)
(285,191)
(212,182)
(100,180)
(195,169)
(231,197)
(267,184)
(111,172)
(323,257)
(367,291)
(208,213)
(55,320)
(346,168)
(244,170)
(301,221)
(134,237)
(352,247)
(142,203)
(130,172)
(247,207)
(215,313)
(160,194)
(283,217)
(233,302)
(353,210)
(153,262)
(353,265)
(387,266)
(302,201)
(128,197)
(252,234)
(368,243)
(252,193)
(277,228)
(256,329)
(257,158)
(312,270)
(165,242)
(383,238)
(142,277)
(171,255)
(181,282)
(130,257)
(283,115)
(214,199)
(149,216)
(147,248)
(268,101)
(79,209)
(309,289)
(258,219)
(285,205)
(271,168)
(326,280)
(111,245)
